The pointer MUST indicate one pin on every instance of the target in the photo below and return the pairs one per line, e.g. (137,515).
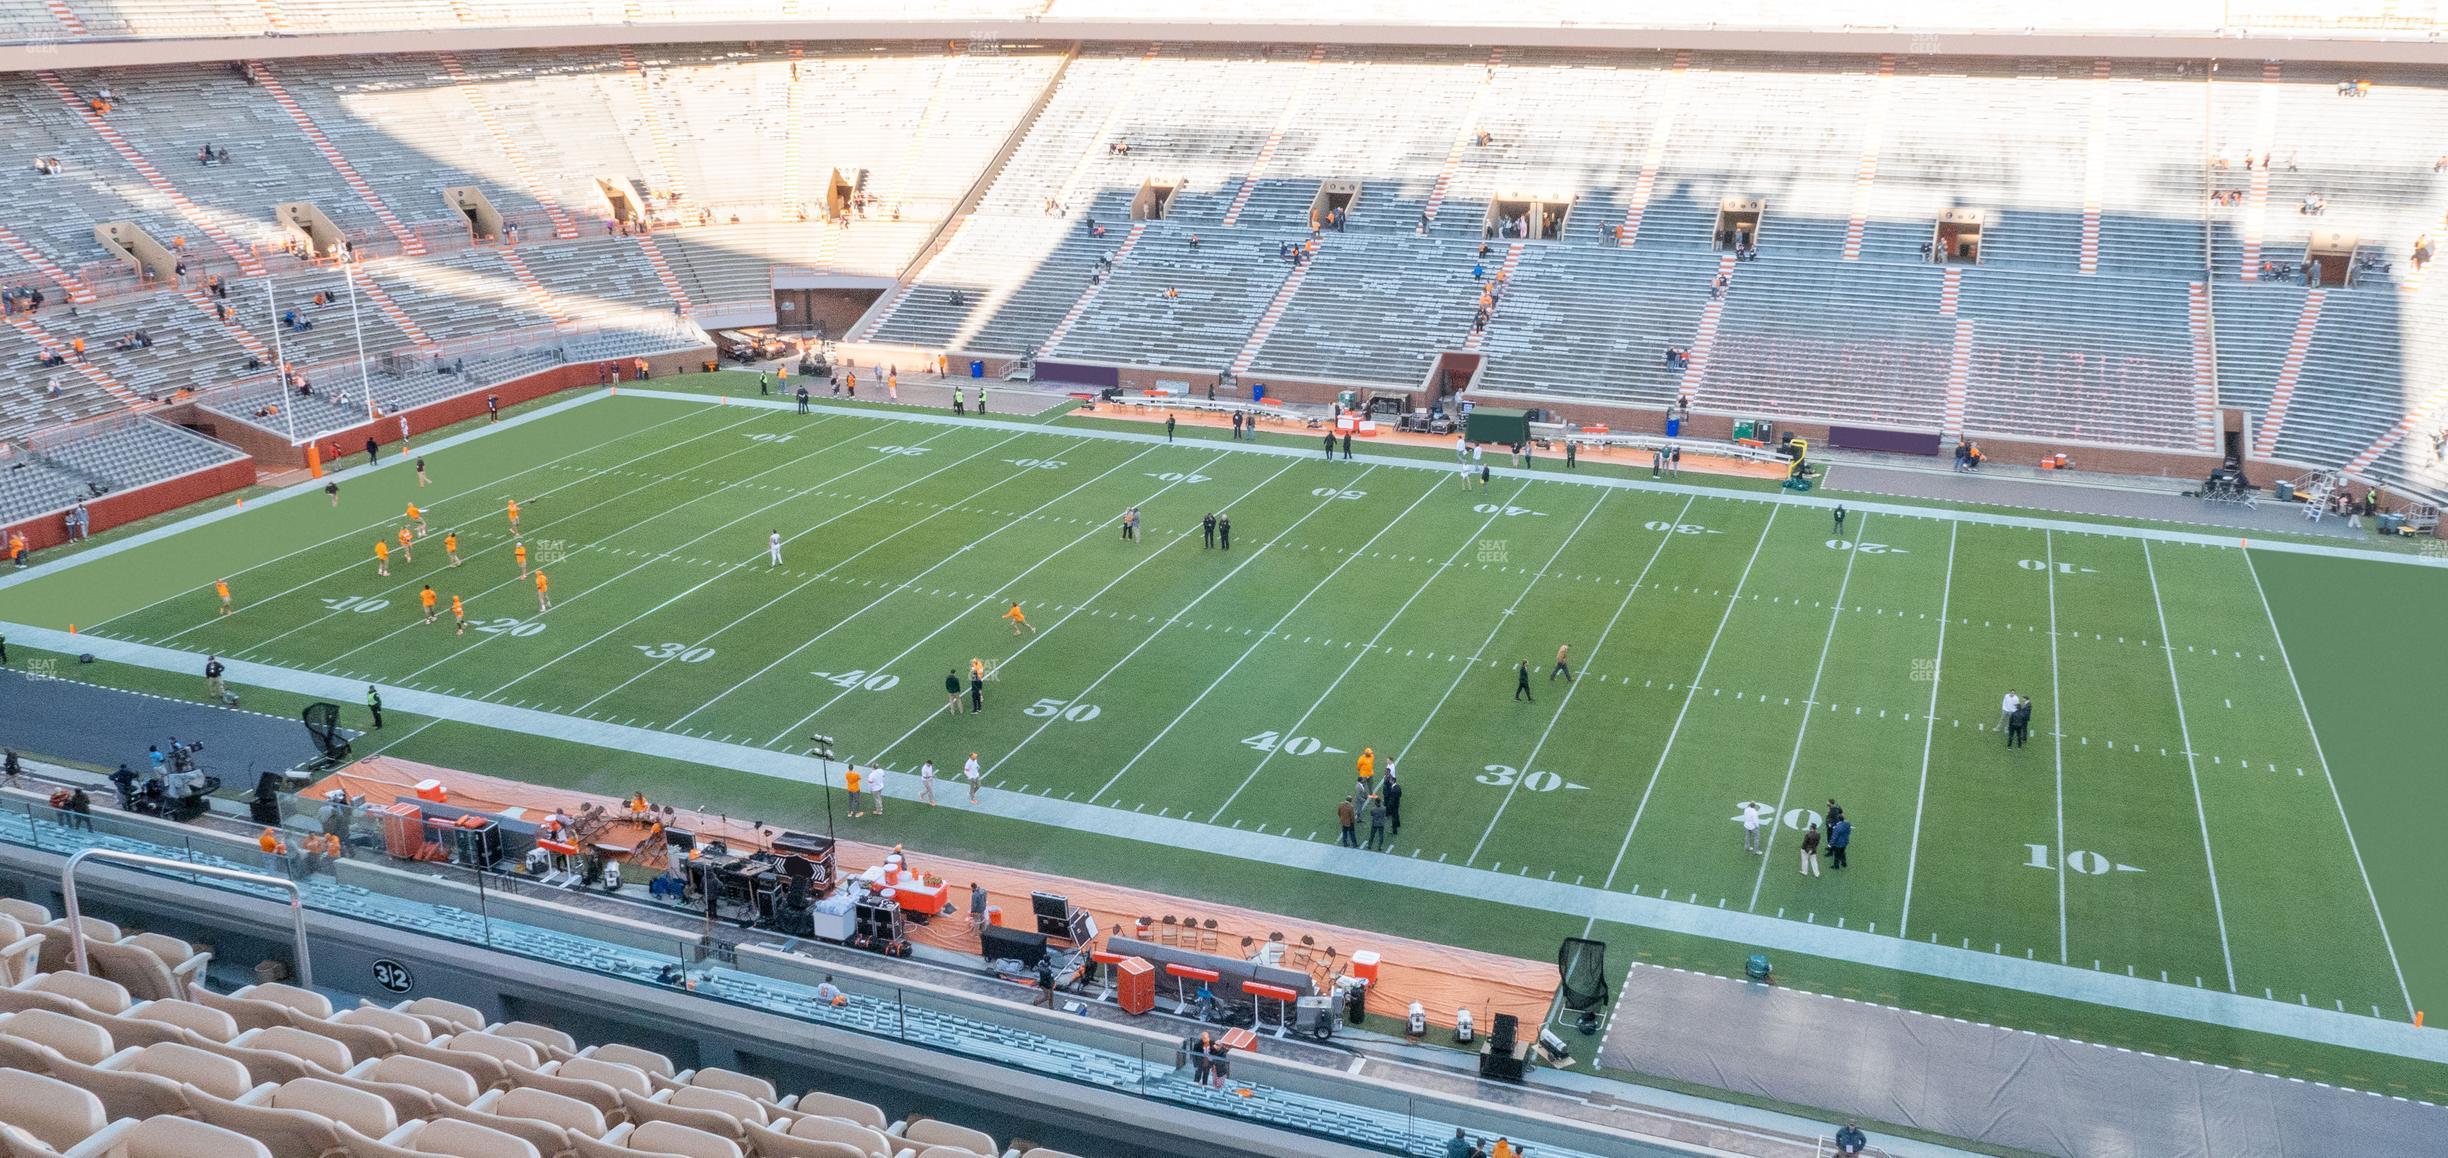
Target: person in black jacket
(2018,731)
(1392,792)
(373,451)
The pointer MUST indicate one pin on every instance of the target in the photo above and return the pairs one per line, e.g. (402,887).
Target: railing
(68,896)
(507,914)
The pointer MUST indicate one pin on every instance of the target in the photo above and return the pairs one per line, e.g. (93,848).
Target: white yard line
(1076,607)
(1693,693)
(1170,620)
(1929,732)
(895,589)
(819,576)
(1810,704)
(2323,757)
(660,556)
(328,662)
(1263,636)
(1365,650)
(1588,662)
(384,524)
(961,616)
(2048,542)
(2218,908)
(407,585)
(1471,664)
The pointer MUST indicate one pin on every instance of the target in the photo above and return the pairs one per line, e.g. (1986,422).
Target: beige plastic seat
(730,1103)
(25,913)
(658,1138)
(459,1140)
(57,1113)
(925,1132)
(133,1086)
(544,1037)
(549,1140)
(659,1108)
(58,949)
(219,1076)
(835,1106)
(72,993)
(870,1143)
(443,1016)
(20,951)
(311,1048)
(434,1078)
(771,1143)
(559,1110)
(16,1143)
(390,1021)
(304,1001)
(202,1020)
(487,1070)
(246,1012)
(43,1032)
(654,1064)
(298,1119)
(168,1137)
(718,1078)
(149,965)
(506,1049)
(951,1152)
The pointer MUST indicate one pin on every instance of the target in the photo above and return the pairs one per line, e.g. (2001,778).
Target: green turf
(1384,606)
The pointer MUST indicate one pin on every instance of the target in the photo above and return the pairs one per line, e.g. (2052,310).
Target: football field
(2174,819)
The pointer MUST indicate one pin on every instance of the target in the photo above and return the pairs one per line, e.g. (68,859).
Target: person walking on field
(952,690)
(926,782)
(1019,620)
(1751,827)
(543,593)
(1521,682)
(1330,446)
(1810,851)
(1207,529)
(852,782)
(875,787)
(2006,711)
(969,772)
(1346,817)
(1840,834)
(977,686)
(1840,514)
(1377,824)
(773,549)
(1563,666)
(1224,532)
(1168,428)
(2018,726)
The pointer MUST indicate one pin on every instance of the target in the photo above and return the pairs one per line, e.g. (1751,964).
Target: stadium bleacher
(2095,178)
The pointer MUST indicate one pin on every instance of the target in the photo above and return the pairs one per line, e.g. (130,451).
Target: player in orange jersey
(543,593)
(418,517)
(1019,620)
(407,540)
(382,557)
(459,612)
(426,599)
(450,546)
(221,588)
(519,553)
(514,531)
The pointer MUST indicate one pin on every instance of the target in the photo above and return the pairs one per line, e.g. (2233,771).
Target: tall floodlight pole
(357,327)
(280,365)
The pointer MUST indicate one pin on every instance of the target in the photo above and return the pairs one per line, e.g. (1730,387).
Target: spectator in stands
(2422,250)
(2314,205)
(1461,1146)
(1850,1139)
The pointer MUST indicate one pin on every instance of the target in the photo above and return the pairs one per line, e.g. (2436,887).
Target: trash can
(1257,391)
(1674,427)
(977,368)
(2392,524)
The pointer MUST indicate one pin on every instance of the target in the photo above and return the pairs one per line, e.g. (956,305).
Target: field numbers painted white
(517,628)
(2084,861)
(1506,510)
(1037,463)
(900,450)
(1680,528)
(1798,819)
(1866,548)
(2062,568)
(770,437)
(1292,746)
(357,603)
(1174,476)
(1337,493)
(1050,707)
(1503,776)
(860,680)
(679,651)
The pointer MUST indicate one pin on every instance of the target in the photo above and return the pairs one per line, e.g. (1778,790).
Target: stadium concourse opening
(1526,217)
(1958,237)
(1333,203)
(1738,224)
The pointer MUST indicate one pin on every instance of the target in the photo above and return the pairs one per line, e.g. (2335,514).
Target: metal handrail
(68,892)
